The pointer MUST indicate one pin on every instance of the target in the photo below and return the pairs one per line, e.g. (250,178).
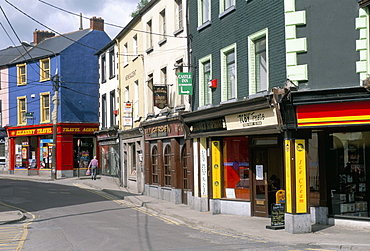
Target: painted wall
(248,18)
(4,97)
(331,35)
(79,90)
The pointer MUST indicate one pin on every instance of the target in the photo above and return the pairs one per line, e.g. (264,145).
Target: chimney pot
(97,23)
(39,35)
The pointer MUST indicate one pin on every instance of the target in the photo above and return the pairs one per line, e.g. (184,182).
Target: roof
(51,46)
(9,54)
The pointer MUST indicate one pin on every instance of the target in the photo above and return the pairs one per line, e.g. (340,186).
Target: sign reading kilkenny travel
(160,96)
(265,117)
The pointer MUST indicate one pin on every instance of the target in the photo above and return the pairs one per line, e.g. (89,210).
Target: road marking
(19,233)
(128,204)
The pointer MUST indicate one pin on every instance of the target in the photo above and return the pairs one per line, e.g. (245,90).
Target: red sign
(334,114)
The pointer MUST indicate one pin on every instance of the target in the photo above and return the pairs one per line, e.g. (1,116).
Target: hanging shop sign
(250,119)
(185,83)
(173,129)
(334,114)
(160,96)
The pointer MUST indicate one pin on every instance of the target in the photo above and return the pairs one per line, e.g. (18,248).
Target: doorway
(267,170)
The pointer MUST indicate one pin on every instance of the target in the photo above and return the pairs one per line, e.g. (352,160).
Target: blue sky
(112,11)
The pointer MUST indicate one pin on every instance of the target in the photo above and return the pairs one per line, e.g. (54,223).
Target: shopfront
(168,174)
(340,133)
(32,149)
(235,157)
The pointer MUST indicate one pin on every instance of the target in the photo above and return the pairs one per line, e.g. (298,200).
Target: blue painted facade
(78,76)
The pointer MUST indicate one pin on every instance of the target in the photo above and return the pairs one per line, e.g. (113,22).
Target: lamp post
(54,115)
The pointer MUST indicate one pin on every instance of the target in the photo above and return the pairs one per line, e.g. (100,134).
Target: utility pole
(55,125)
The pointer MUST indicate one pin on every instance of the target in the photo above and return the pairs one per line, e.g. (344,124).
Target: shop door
(184,169)
(260,182)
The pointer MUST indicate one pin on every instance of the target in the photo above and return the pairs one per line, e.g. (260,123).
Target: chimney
(38,36)
(97,23)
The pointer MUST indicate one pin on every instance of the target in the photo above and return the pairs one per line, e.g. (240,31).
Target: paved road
(75,217)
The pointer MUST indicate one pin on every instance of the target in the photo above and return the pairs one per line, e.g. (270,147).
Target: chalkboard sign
(277,214)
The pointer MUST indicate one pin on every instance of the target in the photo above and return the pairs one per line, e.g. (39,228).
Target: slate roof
(9,54)
(52,46)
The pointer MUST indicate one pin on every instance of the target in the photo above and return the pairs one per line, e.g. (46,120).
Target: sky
(115,12)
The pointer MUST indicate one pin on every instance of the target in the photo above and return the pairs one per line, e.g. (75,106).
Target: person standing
(94,167)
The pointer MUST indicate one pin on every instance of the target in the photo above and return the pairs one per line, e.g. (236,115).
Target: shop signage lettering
(300,183)
(49,130)
(163,131)
(203,168)
(216,169)
(250,119)
(209,125)
(277,214)
(130,75)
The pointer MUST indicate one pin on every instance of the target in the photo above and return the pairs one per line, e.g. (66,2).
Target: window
(163,23)
(164,76)
(133,170)
(103,69)
(226,4)
(134,45)
(167,165)
(154,165)
(44,69)
(149,30)
(179,67)
(21,74)
(184,163)
(112,96)
(179,21)
(150,96)
(125,54)
(204,11)
(127,94)
(104,111)
(22,109)
(136,100)
(236,167)
(258,62)
(112,64)
(45,107)
(228,74)
(205,76)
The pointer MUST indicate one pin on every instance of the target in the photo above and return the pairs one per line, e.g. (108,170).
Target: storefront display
(350,196)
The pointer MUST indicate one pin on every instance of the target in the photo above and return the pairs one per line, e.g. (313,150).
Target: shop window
(167,166)
(349,191)
(236,168)
(154,165)
(313,167)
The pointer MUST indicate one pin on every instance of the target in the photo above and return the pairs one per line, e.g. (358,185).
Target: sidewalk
(334,237)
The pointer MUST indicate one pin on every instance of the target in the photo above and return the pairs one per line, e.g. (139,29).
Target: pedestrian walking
(94,167)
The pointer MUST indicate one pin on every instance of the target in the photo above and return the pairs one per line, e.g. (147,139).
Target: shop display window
(350,196)
(236,168)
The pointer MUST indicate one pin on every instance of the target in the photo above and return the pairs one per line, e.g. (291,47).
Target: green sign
(185,83)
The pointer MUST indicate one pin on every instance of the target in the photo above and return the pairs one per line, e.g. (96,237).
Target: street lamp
(55,79)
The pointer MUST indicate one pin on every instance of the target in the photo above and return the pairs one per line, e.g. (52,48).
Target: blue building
(60,70)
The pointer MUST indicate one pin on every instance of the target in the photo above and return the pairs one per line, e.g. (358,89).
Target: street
(72,216)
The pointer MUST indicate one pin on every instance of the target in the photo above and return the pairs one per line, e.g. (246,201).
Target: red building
(30,148)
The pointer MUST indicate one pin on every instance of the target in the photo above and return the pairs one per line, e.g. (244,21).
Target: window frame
(45,110)
(167,165)
(202,81)
(149,29)
(135,47)
(44,72)
(112,63)
(162,24)
(252,61)
(202,21)
(125,54)
(104,119)
(224,73)
(179,23)
(20,111)
(154,165)
(103,70)
(20,75)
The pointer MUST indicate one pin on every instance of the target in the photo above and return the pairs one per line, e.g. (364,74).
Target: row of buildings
(204,103)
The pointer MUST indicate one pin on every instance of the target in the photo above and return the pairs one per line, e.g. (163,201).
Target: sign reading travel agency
(185,83)
(265,117)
